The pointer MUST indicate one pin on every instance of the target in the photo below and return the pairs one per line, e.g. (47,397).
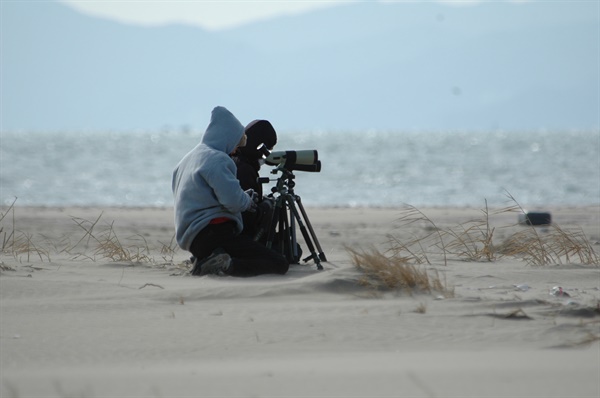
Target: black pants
(249,258)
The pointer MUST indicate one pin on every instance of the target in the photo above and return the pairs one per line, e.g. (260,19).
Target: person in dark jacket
(248,161)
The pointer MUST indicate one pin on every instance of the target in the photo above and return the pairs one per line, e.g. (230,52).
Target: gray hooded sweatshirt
(204,182)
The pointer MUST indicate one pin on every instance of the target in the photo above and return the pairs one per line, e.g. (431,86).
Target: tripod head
(285,182)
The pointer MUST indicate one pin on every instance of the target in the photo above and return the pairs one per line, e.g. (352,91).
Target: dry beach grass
(412,302)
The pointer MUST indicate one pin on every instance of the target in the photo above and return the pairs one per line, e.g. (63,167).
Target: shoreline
(587,217)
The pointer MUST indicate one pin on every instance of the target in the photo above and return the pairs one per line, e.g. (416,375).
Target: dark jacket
(247,158)
(247,162)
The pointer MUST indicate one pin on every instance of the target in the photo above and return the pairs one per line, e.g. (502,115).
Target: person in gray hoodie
(209,202)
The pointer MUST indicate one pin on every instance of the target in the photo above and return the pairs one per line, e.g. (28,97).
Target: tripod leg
(281,228)
(285,236)
(293,241)
(310,228)
(280,232)
(274,221)
(305,234)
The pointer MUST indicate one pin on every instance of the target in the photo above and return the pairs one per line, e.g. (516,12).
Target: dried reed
(410,215)
(19,244)
(8,237)
(107,244)
(381,271)
(473,240)
(168,250)
(558,246)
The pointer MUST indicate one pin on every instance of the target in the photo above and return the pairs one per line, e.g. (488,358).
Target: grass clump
(108,245)
(19,244)
(416,248)
(394,272)
(470,241)
(474,240)
(99,238)
(400,267)
(556,246)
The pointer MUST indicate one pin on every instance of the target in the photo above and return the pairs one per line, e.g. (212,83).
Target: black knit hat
(258,132)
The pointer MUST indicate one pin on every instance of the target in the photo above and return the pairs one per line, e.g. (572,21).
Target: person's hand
(253,195)
(253,207)
(253,203)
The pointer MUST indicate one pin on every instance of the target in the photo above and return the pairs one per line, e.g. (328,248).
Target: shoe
(216,264)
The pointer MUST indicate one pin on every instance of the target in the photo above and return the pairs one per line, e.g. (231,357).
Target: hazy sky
(209,14)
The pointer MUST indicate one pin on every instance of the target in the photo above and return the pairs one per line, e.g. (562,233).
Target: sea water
(360,168)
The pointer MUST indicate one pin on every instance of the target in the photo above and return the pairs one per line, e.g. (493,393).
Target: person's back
(205,184)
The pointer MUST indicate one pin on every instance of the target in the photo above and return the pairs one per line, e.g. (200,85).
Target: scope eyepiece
(263,150)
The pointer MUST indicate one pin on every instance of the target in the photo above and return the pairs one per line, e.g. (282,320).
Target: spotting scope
(303,160)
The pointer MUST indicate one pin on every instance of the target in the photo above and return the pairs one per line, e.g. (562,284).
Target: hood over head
(224,131)
(258,132)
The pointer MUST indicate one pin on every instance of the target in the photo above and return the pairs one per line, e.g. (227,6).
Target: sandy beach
(98,302)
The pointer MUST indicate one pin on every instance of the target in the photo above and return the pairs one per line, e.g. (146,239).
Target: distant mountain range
(367,65)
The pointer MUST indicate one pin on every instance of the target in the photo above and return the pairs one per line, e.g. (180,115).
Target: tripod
(283,219)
